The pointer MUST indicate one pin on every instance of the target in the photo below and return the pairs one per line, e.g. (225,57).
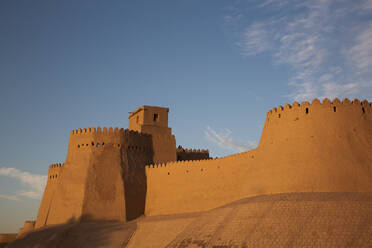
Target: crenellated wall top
(364,105)
(247,154)
(186,150)
(58,165)
(114,131)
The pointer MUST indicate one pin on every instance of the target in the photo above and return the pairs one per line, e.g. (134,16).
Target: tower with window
(154,120)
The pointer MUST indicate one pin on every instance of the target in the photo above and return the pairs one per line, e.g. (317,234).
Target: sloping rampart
(54,174)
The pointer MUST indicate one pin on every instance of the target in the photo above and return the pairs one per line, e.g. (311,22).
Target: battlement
(316,119)
(6,238)
(177,164)
(186,150)
(99,138)
(191,154)
(58,165)
(364,106)
(54,171)
(106,131)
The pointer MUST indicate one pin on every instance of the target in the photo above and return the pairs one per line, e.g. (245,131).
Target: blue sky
(218,65)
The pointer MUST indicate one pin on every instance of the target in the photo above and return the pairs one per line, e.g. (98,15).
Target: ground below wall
(281,220)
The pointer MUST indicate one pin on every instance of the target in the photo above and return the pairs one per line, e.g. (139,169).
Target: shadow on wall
(135,180)
(79,234)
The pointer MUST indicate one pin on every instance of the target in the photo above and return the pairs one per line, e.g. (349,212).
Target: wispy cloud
(327,43)
(255,40)
(10,197)
(360,54)
(34,183)
(224,140)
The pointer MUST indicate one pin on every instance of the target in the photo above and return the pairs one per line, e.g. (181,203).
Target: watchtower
(154,120)
(150,119)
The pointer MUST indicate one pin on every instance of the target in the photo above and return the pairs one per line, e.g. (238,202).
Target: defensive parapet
(316,116)
(154,120)
(6,238)
(103,171)
(191,154)
(28,226)
(87,140)
(321,147)
(54,175)
(195,185)
(54,171)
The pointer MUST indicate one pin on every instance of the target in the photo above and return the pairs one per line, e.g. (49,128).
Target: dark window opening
(103,143)
(334,109)
(78,146)
(137,120)
(307,110)
(92,143)
(87,144)
(363,110)
(118,145)
(279,115)
(168,173)
(156,117)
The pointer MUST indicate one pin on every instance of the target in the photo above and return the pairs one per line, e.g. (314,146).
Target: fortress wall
(164,146)
(49,191)
(134,159)
(116,182)
(7,238)
(91,184)
(191,154)
(326,148)
(320,147)
(341,115)
(28,226)
(189,186)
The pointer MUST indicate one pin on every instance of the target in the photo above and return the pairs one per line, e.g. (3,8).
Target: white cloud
(360,54)
(225,141)
(255,40)
(35,183)
(326,43)
(10,197)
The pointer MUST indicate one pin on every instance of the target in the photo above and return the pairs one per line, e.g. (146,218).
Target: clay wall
(164,143)
(320,147)
(164,146)
(7,238)
(28,226)
(341,116)
(144,116)
(189,186)
(191,154)
(48,195)
(92,183)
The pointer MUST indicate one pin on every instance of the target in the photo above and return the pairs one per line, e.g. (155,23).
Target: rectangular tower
(154,120)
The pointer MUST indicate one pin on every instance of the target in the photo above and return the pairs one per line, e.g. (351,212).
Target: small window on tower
(156,117)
